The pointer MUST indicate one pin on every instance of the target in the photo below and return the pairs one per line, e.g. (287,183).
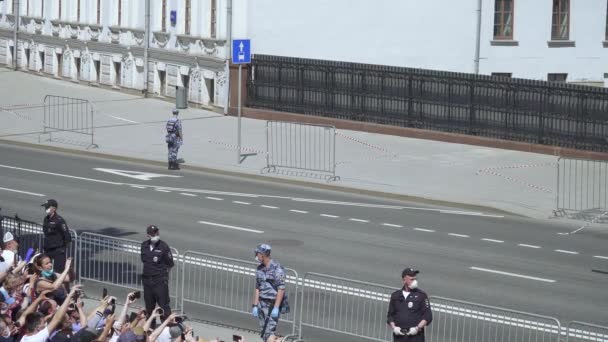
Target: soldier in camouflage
(174,139)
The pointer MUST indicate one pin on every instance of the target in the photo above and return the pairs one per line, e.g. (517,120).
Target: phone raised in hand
(135,295)
(237,338)
(104,293)
(160,311)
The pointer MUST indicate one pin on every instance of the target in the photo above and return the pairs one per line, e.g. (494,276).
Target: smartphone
(113,301)
(237,338)
(135,295)
(104,293)
(180,319)
(160,311)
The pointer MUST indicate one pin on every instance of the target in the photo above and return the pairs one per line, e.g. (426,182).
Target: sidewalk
(130,126)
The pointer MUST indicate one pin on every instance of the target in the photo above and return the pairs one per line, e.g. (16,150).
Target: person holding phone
(158,261)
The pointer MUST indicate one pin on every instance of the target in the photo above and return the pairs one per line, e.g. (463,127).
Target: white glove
(413,331)
(397,331)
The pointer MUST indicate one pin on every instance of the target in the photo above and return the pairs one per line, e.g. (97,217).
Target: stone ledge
(262,114)
(561,43)
(498,42)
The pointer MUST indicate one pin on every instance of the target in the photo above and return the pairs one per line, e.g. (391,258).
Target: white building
(102,41)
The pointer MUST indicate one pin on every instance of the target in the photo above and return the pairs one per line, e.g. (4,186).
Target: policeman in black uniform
(158,261)
(409,310)
(56,235)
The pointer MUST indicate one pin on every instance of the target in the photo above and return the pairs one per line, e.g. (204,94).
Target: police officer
(174,139)
(56,235)
(270,299)
(409,310)
(158,261)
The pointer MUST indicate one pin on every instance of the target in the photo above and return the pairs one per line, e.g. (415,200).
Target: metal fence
(582,186)
(66,114)
(299,146)
(455,320)
(514,109)
(117,262)
(585,332)
(228,284)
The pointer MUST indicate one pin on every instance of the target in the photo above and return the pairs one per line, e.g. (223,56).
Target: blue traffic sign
(241,51)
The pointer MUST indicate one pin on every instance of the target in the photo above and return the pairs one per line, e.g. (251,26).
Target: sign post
(241,54)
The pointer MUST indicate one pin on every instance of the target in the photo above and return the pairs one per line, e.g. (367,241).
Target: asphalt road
(491,259)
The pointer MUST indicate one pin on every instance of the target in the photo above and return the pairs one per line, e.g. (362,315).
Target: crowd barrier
(582,185)
(66,114)
(345,306)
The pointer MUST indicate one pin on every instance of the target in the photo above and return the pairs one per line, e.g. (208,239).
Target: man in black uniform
(409,310)
(158,261)
(56,235)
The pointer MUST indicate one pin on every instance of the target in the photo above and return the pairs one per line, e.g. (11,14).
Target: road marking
(458,235)
(424,230)
(60,175)
(232,227)
(146,176)
(330,216)
(529,246)
(187,194)
(215,198)
(492,240)
(358,220)
(162,190)
(512,274)
(123,119)
(23,192)
(600,257)
(392,225)
(138,186)
(269,207)
(567,252)
(468,213)
(239,202)
(298,211)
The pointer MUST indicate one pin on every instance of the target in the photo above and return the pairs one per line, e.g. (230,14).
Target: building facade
(101,42)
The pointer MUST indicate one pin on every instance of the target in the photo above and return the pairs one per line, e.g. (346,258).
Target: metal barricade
(585,332)
(301,147)
(582,186)
(66,114)
(117,262)
(455,320)
(228,284)
(345,306)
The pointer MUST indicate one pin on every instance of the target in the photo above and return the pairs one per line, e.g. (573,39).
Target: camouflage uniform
(174,140)
(269,280)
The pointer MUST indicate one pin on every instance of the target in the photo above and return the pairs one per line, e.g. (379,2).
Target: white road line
(456,212)
(187,194)
(23,192)
(269,207)
(60,175)
(138,186)
(330,216)
(529,246)
(600,257)
(123,119)
(458,235)
(512,274)
(424,230)
(239,202)
(215,198)
(492,240)
(392,225)
(567,252)
(298,211)
(162,190)
(358,220)
(232,227)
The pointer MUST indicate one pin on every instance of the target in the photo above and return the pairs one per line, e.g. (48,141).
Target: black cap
(49,203)
(152,230)
(408,271)
(175,112)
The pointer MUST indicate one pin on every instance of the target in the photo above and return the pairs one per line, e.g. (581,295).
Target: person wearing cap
(56,235)
(9,252)
(158,261)
(409,309)
(269,300)
(174,139)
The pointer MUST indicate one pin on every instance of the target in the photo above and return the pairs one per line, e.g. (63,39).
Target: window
(606,37)
(119,13)
(213,18)
(501,74)
(78,11)
(164,16)
(557,77)
(560,29)
(98,12)
(42,9)
(188,14)
(27,8)
(503,19)
(59,5)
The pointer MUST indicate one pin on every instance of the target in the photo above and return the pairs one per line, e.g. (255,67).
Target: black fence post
(541,118)
(410,98)
(472,107)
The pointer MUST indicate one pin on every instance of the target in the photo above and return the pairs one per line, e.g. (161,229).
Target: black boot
(176,166)
(170,165)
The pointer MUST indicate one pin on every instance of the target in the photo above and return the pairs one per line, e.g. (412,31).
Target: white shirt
(405,294)
(165,336)
(9,259)
(41,336)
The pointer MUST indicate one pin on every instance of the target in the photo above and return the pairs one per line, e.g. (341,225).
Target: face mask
(155,238)
(414,284)
(47,274)
(48,211)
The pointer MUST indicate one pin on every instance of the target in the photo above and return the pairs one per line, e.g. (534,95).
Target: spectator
(49,280)
(9,252)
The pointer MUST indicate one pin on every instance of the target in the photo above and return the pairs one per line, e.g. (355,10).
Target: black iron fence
(541,112)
